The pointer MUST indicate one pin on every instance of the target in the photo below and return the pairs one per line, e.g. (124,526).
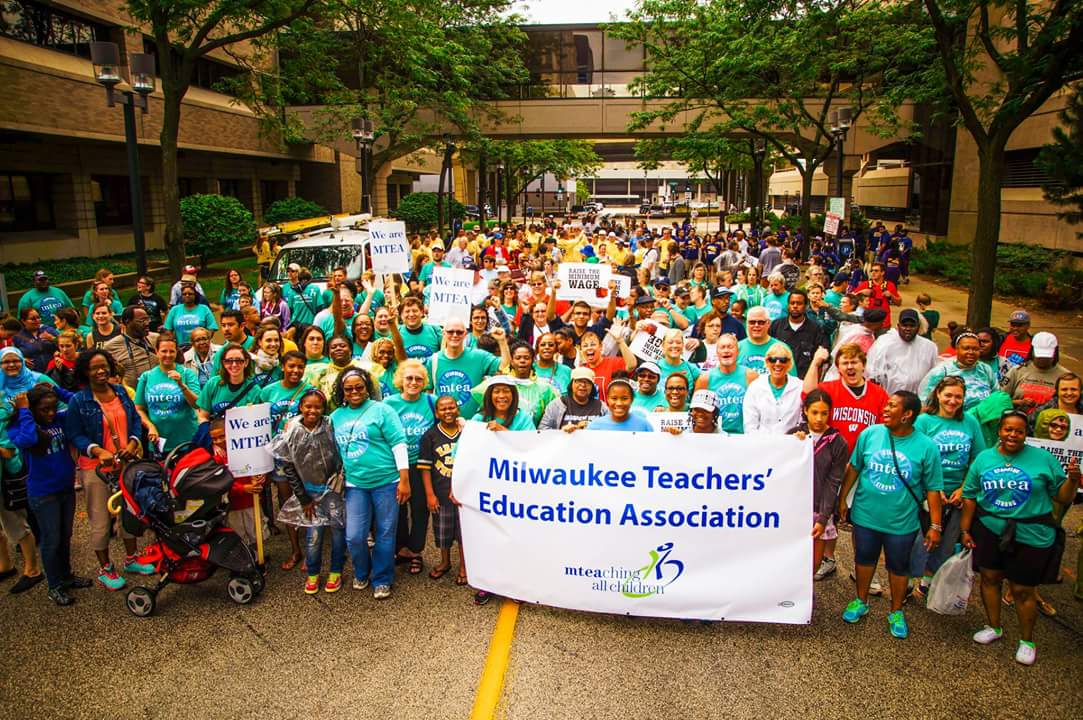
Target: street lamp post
(499,187)
(105,56)
(759,154)
(840,124)
(364,134)
(560,198)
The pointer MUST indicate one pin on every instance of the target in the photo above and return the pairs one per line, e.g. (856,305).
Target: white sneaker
(1026,654)
(382,592)
(875,588)
(988,635)
(360,584)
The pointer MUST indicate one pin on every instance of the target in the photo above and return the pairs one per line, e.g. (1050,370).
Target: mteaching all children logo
(660,572)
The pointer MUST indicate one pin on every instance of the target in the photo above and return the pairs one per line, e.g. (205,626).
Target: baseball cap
(645,300)
(662,282)
(1019,317)
(438,245)
(875,315)
(191,270)
(294,266)
(501,380)
(649,367)
(1044,344)
(704,400)
(681,291)
(909,315)
(841,278)
(41,274)
(582,373)
(188,277)
(721,292)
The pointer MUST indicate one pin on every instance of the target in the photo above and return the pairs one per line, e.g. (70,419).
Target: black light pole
(759,154)
(483,189)
(840,124)
(105,56)
(364,134)
(499,188)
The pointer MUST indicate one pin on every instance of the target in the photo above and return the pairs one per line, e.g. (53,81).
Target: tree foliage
(775,69)
(216,225)
(1002,59)
(294,208)
(1062,160)
(418,210)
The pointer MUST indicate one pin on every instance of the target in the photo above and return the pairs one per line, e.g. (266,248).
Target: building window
(1021,170)
(207,74)
(229,188)
(26,203)
(186,187)
(49,27)
(272,191)
(112,200)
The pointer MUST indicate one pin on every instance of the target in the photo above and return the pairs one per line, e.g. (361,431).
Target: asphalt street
(421,653)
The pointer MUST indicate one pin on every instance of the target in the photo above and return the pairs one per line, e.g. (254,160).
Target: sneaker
(25,582)
(875,588)
(382,592)
(828,566)
(334,582)
(60,597)
(855,611)
(108,577)
(988,635)
(132,565)
(312,585)
(1027,653)
(360,584)
(896,621)
(75,582)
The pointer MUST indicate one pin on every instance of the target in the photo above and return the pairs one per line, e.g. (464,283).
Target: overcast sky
(573,11)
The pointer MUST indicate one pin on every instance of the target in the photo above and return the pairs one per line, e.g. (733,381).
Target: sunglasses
(354,390)
(454,332)
(776,360)
(676,389)
(756,322)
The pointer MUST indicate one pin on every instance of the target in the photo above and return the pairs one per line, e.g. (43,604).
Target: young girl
(311,464)
(242,519)
(829,456)
(436,458)
(62,367)
(621,417)
(102,327)
(39,431)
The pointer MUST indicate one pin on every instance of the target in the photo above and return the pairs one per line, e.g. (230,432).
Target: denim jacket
(84,423)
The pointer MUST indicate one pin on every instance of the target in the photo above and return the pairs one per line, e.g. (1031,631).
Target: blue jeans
(314,549)
(376,508)
(921,560)
(54,514)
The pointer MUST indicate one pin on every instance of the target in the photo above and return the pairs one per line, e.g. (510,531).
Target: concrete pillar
(464,190)
(379,190)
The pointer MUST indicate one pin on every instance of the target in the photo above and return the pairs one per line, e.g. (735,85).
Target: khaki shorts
(14,524)
(243,522)
(97,495)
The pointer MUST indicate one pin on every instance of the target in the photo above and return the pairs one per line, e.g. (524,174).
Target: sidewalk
(1067,325)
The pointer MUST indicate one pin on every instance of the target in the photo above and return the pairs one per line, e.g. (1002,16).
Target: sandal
(461,580)
(290,563)
(1045,608)
(439,571)
(416,565)
(481,597)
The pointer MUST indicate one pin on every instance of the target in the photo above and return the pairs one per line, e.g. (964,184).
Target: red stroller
(181,502)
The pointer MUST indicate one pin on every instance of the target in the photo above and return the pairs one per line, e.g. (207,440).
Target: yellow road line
(491,685)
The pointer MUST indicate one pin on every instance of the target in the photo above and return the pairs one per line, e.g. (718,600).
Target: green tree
(216,225)
(1003,60)
(775,69)
(1062,160)
(294,208)
(418,210)
(184,32)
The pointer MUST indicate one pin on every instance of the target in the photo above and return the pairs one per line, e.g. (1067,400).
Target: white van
(321,251)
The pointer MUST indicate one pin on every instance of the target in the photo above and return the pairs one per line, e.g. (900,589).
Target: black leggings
(413,516)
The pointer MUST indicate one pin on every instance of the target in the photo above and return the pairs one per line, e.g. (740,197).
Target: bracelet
(936,526)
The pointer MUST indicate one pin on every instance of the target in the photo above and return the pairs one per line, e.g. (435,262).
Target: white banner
(248,431)
(389,247)
(584,281)
(693,526)
(449,295)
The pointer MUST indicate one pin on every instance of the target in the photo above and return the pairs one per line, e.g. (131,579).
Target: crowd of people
(917,452)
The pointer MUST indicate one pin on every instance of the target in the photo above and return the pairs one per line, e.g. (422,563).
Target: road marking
(491,685)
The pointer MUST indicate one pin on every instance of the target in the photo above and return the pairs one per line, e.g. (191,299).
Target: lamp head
(141,66)
(105,56)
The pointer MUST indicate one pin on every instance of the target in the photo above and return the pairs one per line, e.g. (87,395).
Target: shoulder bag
(923,510)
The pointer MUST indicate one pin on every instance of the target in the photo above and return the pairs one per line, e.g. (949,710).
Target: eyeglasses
(233,361)
(676,389)
(413,378)
(757,322)
(353,389)
(776,360)
(454,332)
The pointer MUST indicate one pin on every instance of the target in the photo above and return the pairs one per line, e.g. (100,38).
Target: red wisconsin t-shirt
(603,373)
(1012,353)
(851,414)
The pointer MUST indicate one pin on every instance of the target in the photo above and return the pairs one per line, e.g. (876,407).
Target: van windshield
(320,261)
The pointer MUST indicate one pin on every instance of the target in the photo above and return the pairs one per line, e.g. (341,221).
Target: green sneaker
(897,622)
(856,610)
(132,565)
(108,578)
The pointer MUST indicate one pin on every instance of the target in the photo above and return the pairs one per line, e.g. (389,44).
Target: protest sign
(389,247)
(1068,450)
(661,421)
(646,343)
(831,224)
(449,295)
(584,281)
(248,432)
(644,524)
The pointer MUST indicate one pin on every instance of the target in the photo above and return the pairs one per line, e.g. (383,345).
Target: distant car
(658,211)
(645,209)
(594,206)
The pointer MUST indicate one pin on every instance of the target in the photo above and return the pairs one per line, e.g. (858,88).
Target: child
(435,460)
(62,367)
(312,466)
(241,516)
(38,429)
(932,317)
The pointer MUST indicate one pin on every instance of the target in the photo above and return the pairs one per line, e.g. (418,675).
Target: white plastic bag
(950,591)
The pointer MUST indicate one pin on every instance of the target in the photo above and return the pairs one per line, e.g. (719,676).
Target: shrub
(215,225)
(294,208)
(418,210)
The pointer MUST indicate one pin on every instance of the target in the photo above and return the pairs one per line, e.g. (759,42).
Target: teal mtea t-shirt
(959,442)
(648,403)
(182,321)
(1017,486)
(46,303)
(777,305)
(559,376)
(166,405)
(881,502)
(456,377)
(751,355)
(521,421)
(729,390)
(285,402)
(423,342)
(417,416)
(217,395)
(365,437)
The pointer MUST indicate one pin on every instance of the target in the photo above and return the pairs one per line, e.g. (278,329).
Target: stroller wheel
(258,583)
(241,590)
(140,602)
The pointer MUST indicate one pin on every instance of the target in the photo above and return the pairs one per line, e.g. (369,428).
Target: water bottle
(958,548)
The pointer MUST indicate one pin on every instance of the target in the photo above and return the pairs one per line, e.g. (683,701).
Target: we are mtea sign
(389,248)
(248,434)
(449,295)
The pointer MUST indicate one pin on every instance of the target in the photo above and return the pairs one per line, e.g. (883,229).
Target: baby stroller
(181,502)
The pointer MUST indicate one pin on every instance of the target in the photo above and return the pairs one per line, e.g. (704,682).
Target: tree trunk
(806,211)
(986,233)
(174,230)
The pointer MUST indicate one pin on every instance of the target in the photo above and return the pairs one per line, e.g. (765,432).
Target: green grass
(20,276)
